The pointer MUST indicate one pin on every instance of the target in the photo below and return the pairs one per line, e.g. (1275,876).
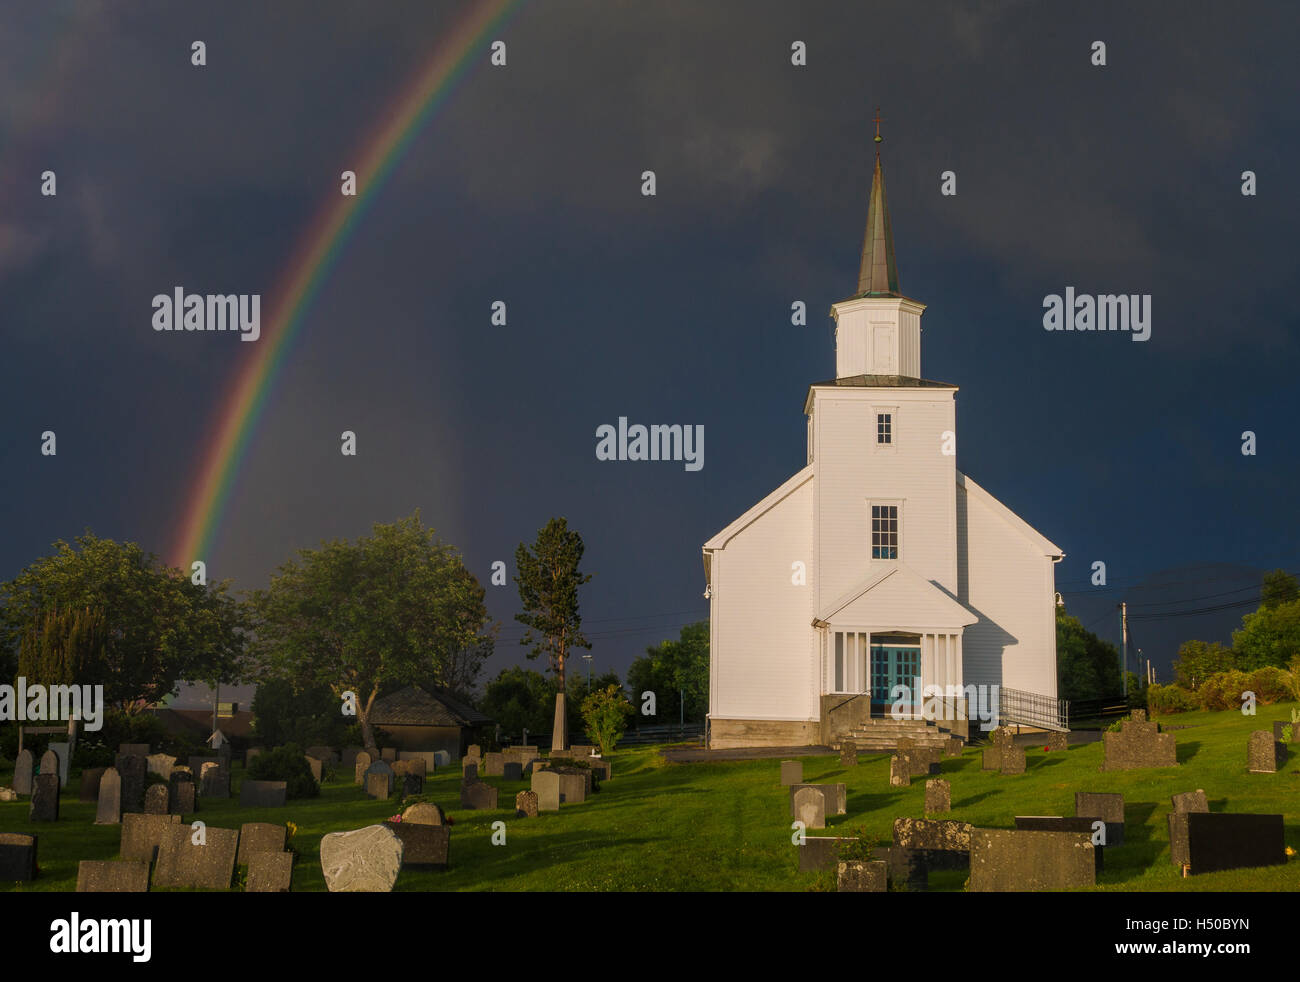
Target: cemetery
(1190,808)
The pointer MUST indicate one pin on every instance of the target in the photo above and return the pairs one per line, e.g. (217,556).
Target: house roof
(415,706)
(883,382)
(897,598)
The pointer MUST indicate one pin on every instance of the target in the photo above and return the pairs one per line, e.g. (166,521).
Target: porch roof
(897,598)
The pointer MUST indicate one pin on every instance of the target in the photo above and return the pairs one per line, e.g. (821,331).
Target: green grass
(725,826)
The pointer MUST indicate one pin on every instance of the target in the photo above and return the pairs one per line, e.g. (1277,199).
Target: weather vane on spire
(879,138)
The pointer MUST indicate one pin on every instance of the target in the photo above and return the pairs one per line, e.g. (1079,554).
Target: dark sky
(525,188)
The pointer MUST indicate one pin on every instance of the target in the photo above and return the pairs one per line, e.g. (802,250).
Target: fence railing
(1033,709)
(1110,706)
(663,733)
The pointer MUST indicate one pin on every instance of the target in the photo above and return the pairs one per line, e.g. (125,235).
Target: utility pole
(1123,672)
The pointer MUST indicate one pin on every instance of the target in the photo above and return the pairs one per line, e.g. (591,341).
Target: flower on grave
(1290,851)
(1048,749)
(291,829)
(450,820)
(396,818)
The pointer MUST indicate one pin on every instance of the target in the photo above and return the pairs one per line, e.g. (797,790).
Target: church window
(884,531)
(884,428)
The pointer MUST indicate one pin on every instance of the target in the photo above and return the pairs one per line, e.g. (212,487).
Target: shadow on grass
(1187,750)
(974,799)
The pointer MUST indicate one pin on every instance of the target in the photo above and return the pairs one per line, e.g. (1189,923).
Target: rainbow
(318,250)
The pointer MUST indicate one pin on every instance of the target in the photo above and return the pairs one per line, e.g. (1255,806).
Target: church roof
(878,273)
(885,382)
(897,598)
(414,706)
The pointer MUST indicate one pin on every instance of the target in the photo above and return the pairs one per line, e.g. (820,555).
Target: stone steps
(882,735)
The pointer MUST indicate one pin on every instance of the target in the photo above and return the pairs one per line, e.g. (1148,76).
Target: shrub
(1118,725)
(1223,691)
(1163,699)
(285,764)
(1272,684)
(605,713)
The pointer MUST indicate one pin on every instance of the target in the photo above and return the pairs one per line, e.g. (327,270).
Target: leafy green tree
(1269,636)
(395,608)
(1198,660)
(670,668)
(605,713)
(154,617)
(307,717)
(1280,587)
(1086,666)
(577,690)
(520,698)
(548,578)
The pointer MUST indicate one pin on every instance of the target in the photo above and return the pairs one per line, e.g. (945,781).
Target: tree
(672,667)
(1269,636)
(65,649)
(605,714)
(153,616)
(396,608)
(548,580)
(1280,587)
(1198,660)
(1086,666)
(519,699)
(576,691)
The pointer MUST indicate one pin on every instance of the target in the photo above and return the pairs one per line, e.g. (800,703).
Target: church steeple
(878,274)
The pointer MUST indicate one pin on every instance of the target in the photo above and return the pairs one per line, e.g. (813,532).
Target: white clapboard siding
(1008,580)
(761,652)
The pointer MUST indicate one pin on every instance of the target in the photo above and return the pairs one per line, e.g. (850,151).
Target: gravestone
(263,794)
(156,799)
(17,857)
(361,861)
(952,746)
(493,765)
(257,837)
(1184,803)
(161,764)
(1002,860)
(1056,740)
(181,863)
(412,784)
(526,804)
(251,754)
(95,876)
(900,773)
(424,761)
(424,813)
(360,765)
(921,761)
(1012,759)
(108,811)
(941,835)
(45,798)
(791,772)
(181,793)
(1105,806)
(63,754)
(512,770)
(573,788)
(908,866)
(478,797)
(1224,840)
(142,835)
(1093,828)
(1138,745)
(600,769)
(469,770)
(848,754)
(547,786)
(836,797)
(474,751)
(50,765)
(441,758)
(999,739)
(379,780)
(325,755)
(317,768)
(810,807)
(24,768)
(349,756)
(214,780)
(388,753)
(859,876)
(423,846)
(1264,755)
(269,872)
(131,769)
(820,852)
(1190,801)
(90,778)
(938,796)
(133,749)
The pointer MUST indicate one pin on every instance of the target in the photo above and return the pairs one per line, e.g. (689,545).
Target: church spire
(878,274)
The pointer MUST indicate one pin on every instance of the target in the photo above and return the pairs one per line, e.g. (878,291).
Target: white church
(879,563)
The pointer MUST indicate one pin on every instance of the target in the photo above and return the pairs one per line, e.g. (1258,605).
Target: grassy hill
(725,826)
